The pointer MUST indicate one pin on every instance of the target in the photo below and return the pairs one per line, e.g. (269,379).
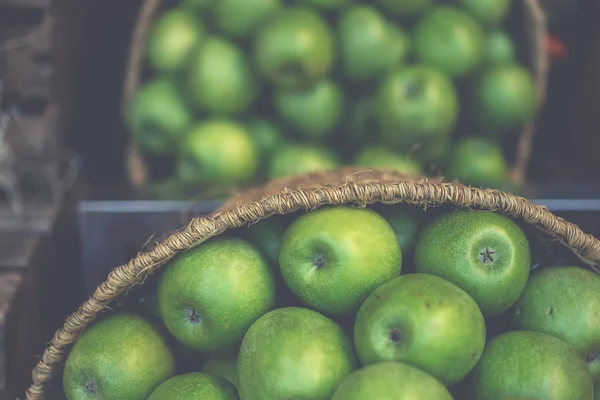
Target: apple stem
(319,261)
(414,87)
(396,336)
(193,316)
(91,388)
(592,356)
(487,256)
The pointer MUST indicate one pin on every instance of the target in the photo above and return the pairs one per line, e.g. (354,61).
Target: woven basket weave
(533,27)
(308,192)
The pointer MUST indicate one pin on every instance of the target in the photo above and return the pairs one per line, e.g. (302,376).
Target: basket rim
(136,164)
(309,192)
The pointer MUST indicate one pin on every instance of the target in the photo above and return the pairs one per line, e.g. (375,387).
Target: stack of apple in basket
(345,285)
(235,92)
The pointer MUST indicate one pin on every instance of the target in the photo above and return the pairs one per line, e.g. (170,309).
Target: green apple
(223,366)
(415,104)
(327,258)
(370,45)
(241,18)
(267,135)
(386,158)
(172,39)
(424,321)
(530,364)
(484,253)
(219,79)
(390,381)
(326,4)
(503,98)
(293,353)
(449,40)
(266,236)
(218,152)
(210,295)
(158,116)
(295,49)
(122,356)
(297,159)
(195,385)
(405,222)
(488,12)
(405,8)
(478,161)
(315,111)
(499,48)
(563,301)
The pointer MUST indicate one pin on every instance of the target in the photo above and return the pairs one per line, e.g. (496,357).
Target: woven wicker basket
(532,25)
(308,192)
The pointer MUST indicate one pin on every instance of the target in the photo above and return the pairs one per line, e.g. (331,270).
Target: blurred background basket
(528,23)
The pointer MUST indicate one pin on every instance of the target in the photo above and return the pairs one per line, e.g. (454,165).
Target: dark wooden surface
(40,284)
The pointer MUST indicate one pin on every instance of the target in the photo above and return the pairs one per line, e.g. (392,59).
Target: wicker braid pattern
(344,186)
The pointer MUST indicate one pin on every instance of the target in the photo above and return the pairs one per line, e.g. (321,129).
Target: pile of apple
(344,303)
(245,90)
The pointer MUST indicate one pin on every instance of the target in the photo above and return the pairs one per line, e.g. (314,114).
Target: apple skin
(391,381)
(484,253)
(415,104)
(489,12)
(122,356)
(293,159)
(293,353)
(327,5)
(295,49)
(241,18)
(424,321)
(227,89)
(503,97)
(210,295)
(530,364)
(500,49)
(478,161)
(404,8)
(327,258)
(173,38)
(369,44)
(218,153)
(450,40)
(315,111)
(195,385)
(384,158)
(563,301)
(158,117)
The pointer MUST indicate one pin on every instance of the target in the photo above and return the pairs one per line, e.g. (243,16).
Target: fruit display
(383,302)
(241,91)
